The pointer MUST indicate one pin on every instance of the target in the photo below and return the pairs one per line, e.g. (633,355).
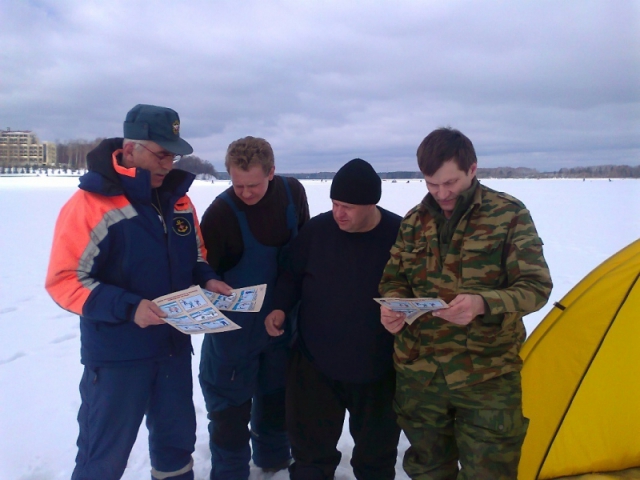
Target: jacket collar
(470,196)
(108,177)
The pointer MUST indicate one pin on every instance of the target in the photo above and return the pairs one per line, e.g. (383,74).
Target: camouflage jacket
(495,252)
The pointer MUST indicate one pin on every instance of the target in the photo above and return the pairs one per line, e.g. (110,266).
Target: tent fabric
(621,475)
(581,377)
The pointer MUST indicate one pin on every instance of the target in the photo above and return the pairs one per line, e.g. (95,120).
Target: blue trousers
(114,402)
(250,391)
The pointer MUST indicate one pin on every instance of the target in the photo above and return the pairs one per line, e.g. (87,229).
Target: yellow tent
(581,379)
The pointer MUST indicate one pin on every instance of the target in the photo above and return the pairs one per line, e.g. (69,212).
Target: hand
(392,321)
(218,286)
(273,323)
(148,313)
(462,309)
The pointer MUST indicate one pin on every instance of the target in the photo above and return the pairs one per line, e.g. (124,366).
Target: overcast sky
(541,84)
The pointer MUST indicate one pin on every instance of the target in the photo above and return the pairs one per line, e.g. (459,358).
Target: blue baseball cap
(157,124)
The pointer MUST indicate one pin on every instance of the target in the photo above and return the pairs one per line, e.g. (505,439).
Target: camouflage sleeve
(528,278)
(394,282)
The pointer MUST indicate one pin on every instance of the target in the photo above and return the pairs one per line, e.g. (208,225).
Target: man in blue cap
(128,235)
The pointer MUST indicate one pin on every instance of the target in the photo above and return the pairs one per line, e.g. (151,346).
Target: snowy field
(581,223)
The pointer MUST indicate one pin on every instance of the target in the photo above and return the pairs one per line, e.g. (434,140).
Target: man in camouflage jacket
(458,394)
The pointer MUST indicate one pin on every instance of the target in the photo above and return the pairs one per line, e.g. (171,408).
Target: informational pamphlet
(247,299)
(191,312)
(412,307)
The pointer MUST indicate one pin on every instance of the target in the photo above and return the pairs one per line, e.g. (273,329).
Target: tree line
(599,171)
(602,171)
(73,155)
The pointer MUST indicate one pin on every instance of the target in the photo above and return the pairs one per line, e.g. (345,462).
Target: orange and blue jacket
(110,251)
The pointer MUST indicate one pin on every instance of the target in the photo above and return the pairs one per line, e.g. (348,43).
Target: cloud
(543,84)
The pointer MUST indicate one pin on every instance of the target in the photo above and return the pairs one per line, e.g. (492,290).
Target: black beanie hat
(356,183)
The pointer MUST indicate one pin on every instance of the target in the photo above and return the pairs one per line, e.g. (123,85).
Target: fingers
(462,309)
(392,321)
(388,314)
(218,286)
(157,310)
(273,323)
(459,299)
(394,326)
(148,313)
(272,329)
(225,289)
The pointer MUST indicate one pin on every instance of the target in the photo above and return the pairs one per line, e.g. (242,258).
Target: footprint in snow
(64,338)
(13,357)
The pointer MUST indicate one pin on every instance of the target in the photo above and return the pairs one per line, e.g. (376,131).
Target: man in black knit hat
(342,356)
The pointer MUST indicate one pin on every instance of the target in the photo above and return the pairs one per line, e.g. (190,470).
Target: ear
(127,154)
(272,173)
(473,169)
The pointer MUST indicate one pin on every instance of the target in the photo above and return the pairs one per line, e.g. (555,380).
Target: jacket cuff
(494,303)
(204,277)
(127,307)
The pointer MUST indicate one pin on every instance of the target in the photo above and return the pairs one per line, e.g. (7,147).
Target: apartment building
(22,148)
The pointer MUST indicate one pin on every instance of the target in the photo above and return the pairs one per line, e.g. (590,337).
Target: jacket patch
(182,226)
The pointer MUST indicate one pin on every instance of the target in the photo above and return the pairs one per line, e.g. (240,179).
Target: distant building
(50,153)
(22,148)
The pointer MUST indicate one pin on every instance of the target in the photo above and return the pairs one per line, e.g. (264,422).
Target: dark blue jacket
(110,251)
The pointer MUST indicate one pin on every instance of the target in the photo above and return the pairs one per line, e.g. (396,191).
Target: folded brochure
(412,307)
(195,310)
(247,299)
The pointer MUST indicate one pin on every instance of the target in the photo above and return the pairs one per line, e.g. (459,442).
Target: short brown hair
(442,145)
(248,152)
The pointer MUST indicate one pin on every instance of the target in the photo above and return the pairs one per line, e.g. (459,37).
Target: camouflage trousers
(469,433)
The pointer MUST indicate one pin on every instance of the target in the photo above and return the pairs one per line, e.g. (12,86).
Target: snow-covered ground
(581,222)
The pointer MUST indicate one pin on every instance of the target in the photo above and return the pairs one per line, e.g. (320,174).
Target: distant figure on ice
(246,231)
(458,394)
(110,258)
(342,356)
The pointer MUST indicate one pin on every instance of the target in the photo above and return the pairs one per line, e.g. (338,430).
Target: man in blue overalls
(242,372)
